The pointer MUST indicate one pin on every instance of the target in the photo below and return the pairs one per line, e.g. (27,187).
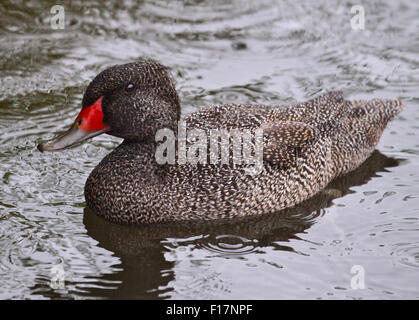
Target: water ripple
(407,254)
(230,245)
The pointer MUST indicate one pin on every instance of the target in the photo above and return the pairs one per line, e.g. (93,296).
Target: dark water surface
(271,52)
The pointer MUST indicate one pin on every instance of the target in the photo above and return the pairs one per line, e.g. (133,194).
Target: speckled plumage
(305,147)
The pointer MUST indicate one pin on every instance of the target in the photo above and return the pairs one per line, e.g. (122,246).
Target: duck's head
(130,101)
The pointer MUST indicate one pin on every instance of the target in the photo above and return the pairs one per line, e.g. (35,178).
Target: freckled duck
(305,146)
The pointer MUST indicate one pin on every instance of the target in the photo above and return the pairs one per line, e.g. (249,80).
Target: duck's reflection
(142,248)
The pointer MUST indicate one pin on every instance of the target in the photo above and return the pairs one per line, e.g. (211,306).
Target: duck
(298,149)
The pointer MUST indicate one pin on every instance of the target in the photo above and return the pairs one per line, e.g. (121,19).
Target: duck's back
(354,127)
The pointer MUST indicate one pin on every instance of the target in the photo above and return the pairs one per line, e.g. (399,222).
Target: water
(218,51)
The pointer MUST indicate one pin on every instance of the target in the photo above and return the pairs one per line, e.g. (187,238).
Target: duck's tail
(377,111)
(364,125)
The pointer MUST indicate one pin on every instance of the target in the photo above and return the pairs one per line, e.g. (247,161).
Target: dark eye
(129,87)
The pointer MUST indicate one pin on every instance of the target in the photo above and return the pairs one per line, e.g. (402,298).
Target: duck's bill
(70,138)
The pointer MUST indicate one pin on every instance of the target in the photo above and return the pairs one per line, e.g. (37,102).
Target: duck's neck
(146,147)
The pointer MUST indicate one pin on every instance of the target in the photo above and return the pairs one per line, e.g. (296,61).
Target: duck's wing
(325,112)
(285,141)
(230,116)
